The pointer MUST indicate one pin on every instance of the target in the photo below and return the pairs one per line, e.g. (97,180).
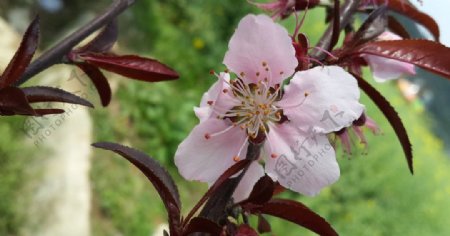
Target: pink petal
(245,187)
(386,35)
(217,98)
(322,99)
(257,41)
(304,164)
(384,69)
(202,159)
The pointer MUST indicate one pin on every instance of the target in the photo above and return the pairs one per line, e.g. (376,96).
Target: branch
(56,54)
(347,11)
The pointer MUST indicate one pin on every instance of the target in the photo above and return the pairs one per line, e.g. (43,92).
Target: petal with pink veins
(245,187)
(204,156)
(304,164)
(322,100)
(259,49)
(216,98)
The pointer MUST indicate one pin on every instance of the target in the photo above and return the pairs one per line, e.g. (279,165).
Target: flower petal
(254,173)
(384,69)
(216,98)
(304,164)
(260,49)
(322,99)
(202,159)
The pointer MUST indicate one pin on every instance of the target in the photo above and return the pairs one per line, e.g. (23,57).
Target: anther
(236,158)
(257,73)
(207,136)
(306,94)
(267,68)
(281,72)
(210,102)
(225,91)
(212,72)
(273,155)
(264,63)
(242,74)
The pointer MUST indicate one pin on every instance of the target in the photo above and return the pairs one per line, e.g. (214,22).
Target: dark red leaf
(157,175)
(262,191)
(14,102)
(23,55)
(99,80)
(246,230)
(426,54)
(397,28)
(224,177)
(49,94)
(43,112)
(263,225)
(392,116)
(374,25)
(297,213)
(407,9)
(202,225)
(104,41)
(132,66)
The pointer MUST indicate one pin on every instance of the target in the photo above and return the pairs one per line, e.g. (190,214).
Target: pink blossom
(254,107)
(384,69)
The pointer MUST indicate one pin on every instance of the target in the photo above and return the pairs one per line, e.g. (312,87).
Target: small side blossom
(345,137)
(291,121)
(384,69)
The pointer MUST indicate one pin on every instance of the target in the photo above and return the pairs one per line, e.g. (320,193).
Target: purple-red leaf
(104,41)
(426,54)
(132,66)
(407,9)
(202,225)
(295,212)
(23,55)
(49,94)
(14,102)
(262,191)
(157,175)
(263,225)
(392,116)
(99,80)
(219,182)
(246,230)
(43,112)
(374,25)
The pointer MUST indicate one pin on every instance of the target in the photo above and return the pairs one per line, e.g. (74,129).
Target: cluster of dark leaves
(17,101)
(259,203)
(426,54)
(90,58)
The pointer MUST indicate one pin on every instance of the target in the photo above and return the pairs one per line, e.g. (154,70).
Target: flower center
(256,107)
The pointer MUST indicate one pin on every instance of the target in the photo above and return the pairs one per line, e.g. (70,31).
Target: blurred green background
(375,195)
